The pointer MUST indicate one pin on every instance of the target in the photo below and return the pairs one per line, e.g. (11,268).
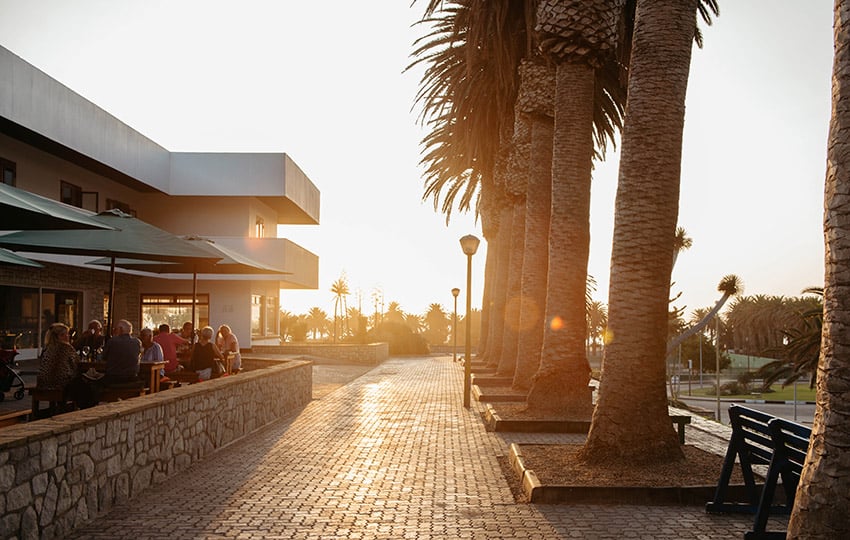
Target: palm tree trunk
(631,419)
(821,505)
(497,314)
(538,208)
(561,384)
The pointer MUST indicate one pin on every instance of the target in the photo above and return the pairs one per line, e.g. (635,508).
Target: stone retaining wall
(370,354)
(58,473)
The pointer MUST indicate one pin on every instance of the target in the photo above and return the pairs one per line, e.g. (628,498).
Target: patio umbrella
(7,257)
(125,236)
(21,210)
(229,262)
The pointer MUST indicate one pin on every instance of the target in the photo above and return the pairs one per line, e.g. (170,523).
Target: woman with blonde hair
(228,344)
(58,365)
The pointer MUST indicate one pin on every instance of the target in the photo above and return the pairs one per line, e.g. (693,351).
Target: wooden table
(150,372)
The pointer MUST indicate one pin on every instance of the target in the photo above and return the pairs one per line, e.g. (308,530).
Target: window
(21,314)
(256,315)
(260,228)
(124,207)
(272,310)
(8,169)
(71,194)
(174,310)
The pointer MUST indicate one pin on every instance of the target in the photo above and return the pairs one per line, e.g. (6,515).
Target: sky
(326,83)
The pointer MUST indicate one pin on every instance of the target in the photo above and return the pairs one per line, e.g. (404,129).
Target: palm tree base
(559,393)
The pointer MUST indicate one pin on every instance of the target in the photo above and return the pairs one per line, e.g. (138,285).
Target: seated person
(169,343)
(122,354)
(91,338)
(184,352)
(58,364)
(228,344)
(151,350)
(58,368)
(204,355)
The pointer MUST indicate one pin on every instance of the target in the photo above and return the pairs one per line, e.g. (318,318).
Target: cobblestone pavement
(393,454)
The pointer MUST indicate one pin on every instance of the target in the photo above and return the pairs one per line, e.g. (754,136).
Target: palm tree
(821,504)
(317,321)
(580,37)
(631,420)
(730,285)
(341,292)
(597,321)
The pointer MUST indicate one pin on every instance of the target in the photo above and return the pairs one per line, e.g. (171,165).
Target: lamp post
(469,245)
(455,292)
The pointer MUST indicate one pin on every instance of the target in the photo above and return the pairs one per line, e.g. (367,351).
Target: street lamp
(469,245)
(455,292)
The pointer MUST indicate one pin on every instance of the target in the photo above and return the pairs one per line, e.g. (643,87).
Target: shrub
(400,338)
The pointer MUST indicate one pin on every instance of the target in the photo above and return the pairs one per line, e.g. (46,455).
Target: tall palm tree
(821,506)
(341,292)
(580,37)
(537,87)
(631,419)
(317,321)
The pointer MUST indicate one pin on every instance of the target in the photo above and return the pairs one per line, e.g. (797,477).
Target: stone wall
(370,354)
(58,473)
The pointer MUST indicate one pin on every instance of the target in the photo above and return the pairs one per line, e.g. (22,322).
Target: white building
(57,144)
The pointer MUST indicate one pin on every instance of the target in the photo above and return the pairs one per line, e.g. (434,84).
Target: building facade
(55,143)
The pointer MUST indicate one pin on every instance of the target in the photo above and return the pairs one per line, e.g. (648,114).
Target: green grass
(779,393)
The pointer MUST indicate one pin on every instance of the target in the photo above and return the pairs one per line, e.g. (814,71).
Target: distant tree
(318,322)
(416,323)
(357,324)
(288,321)
(341,292)
(436,325)
(597,321)
(394,314)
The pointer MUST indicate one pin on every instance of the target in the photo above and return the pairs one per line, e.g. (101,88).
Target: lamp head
(469,244)
(455,292)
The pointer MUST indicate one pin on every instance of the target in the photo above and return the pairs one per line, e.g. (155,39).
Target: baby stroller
(9,378)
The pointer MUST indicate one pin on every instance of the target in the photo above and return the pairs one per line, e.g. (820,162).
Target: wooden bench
(110,394)
(14,417)
(681,421)
(762,439)
(54,397)
(184,376)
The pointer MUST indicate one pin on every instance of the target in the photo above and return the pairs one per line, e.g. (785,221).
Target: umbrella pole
(110,312)
(194,296)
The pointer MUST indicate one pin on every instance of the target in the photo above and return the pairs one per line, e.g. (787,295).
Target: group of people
(122,354)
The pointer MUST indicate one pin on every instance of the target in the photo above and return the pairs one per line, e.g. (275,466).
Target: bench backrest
(751,436)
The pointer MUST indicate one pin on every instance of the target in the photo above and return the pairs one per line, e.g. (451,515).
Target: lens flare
(556,323)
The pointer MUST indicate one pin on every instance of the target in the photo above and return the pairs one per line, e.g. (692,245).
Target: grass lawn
(779,393)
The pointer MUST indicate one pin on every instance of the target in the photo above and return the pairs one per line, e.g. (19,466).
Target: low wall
(58,473)
(370,354)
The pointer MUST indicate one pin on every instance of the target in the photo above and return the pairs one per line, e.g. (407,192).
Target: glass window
(9,172)
(272,310)
(256,315)
(260,228)
(174,310)
(71,194)
(24,316)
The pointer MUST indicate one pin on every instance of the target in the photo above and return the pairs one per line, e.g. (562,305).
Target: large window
(71,194)
(174,310)
(272,310)
(256,315)
(264,310)
(26,315)
(8,172)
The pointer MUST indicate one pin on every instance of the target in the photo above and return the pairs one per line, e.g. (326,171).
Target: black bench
(759,438)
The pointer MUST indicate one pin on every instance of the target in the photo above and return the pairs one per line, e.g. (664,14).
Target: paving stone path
(393,454)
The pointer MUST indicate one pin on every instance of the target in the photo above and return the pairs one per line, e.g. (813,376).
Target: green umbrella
(7,257)
(230,262)
(124,237)
(21,210)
